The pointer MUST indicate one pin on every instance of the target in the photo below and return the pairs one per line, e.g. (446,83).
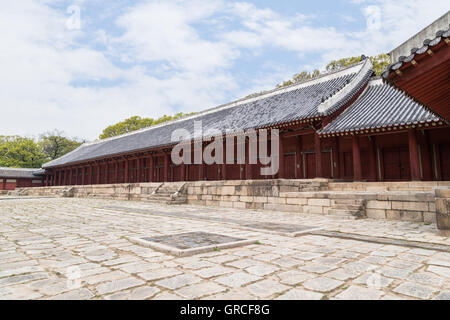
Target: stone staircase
(350,208)
(167,193)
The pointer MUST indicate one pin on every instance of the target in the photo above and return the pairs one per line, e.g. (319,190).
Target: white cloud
(162,61)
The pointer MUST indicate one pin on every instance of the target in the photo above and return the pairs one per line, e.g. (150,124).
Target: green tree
(299,77)
(136,123)
(380,62)
(54,145)
(20,152)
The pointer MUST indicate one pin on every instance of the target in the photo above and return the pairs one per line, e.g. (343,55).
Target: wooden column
(71,176)
(224,164)
(183,169)
(97,180)
(46,181)
(116,172)
(414,155)
(357,171)
(372,159)
(83,176)
(90,175)
(150,169)
(77,172)
(318,156)
(202,168)
(125,175)
(138,170)
(281,157)
(298,154)
(166,168)
(248,167)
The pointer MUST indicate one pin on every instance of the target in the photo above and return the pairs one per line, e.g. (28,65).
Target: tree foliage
(380,62)
(55,145)
(136,123)
(23,152)
(20,152)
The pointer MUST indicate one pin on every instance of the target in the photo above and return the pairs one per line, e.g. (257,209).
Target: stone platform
(406,201)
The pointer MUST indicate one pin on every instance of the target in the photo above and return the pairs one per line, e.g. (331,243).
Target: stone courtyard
(74,248)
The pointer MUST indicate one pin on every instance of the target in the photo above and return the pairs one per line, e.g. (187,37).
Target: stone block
(227,190)
(239,205)
(282,207)
(376,213)
(298,201)
(313,209)
(413,216)
(276,200)
(319,202)
(374,204)
(429,217)
(393,215)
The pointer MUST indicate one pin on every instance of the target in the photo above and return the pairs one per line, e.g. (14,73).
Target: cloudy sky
(80,66)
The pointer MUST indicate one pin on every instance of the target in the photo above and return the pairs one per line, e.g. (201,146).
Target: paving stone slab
(191,243)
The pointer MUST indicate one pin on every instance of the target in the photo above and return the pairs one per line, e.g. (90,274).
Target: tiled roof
(380,105)
(297,102)
(441,35)
(19,173)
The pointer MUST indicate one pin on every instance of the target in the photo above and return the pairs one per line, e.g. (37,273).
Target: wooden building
(12,178)
(345,125)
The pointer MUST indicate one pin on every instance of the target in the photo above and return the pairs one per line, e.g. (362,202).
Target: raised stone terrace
(406,201)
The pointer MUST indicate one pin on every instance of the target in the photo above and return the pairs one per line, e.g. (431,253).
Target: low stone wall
(425,186)
(135,191)
(318,196)
(289,196)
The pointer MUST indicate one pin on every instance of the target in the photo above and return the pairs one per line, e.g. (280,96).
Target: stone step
(349,213)
(357,202)
(346,207)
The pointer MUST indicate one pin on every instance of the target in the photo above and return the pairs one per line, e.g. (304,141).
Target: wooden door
(290,165)
(396,164)
(326,164)
(310,166)
(444,151)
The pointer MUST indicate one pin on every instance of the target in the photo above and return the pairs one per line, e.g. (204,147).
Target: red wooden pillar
(414,155)
(281,157)
(90,175)
(248,167)
(150,169)
(357,171)
(298,154)
(46,181)
(224,164)
(372,159)
(166,168)
(202,168)
(336,159)
(126,172)
(116,172)
(318,156)
(183,169)
(70,176)
(138,170)
(83,175)
(77,172)
(99,167)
